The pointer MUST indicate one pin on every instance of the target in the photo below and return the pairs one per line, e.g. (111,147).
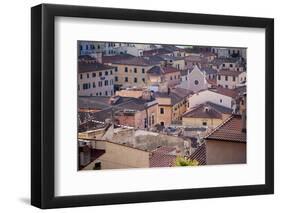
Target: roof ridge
(192,109)
(219,126)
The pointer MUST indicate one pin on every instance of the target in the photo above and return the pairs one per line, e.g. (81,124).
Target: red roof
(170,69)
(225,91)
(227,72)
(230,130)
(162,157)
(213,82)
(200,155)
(116,58)
(203,111)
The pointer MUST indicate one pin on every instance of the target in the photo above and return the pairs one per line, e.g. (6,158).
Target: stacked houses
(154,103)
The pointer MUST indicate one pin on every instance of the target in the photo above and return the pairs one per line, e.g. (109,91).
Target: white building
(219,96)
(95,79)
(196,80)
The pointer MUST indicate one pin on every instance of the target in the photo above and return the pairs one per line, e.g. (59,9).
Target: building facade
(95,79)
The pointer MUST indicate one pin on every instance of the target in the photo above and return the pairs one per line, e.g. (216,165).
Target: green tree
(181,161)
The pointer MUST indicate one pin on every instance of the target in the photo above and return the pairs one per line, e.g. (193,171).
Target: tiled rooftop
(230,130)
(84,67)
(200,155)
(137,61)
(162,157)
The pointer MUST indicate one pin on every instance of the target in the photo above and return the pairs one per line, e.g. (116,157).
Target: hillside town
(156,105)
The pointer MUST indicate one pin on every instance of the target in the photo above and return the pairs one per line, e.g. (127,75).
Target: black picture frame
(43,105)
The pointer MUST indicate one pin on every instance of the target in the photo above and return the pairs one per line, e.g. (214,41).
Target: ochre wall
(220,152)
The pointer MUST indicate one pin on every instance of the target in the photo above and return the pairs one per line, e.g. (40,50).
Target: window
(78,87)
(135,70)
(220,100)
(233,78)
(219,77)
(88,75)
(126,79)
(223,65)
(106,72)
(110,72)
(162,123)
(171,78)
(116,69)
(116,78)
(196,82)
(226,86)
(94,85)
(135,80)
(100,83)
(100,74)
(81,76)
(152,119)
(97,94)
(100,93)
(204,123)
(231,65)
(175,77)
(161,110)
(105,82)
(226,78)
(106,93)
(85,86)
(93,74)
(143,80)
(126,69)
(143,71)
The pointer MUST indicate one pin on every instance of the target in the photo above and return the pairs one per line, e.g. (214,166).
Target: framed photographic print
(139,106)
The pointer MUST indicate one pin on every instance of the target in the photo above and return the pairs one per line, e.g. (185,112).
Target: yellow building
(171,105)
(207,115)
(160,74)
(132,72)
(103,154)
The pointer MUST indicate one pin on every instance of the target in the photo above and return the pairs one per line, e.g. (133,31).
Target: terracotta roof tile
(162,157)
(91,67)
(229,72)
(203,111)
(137,61)
(200,155)
(230,130)
(225,91)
